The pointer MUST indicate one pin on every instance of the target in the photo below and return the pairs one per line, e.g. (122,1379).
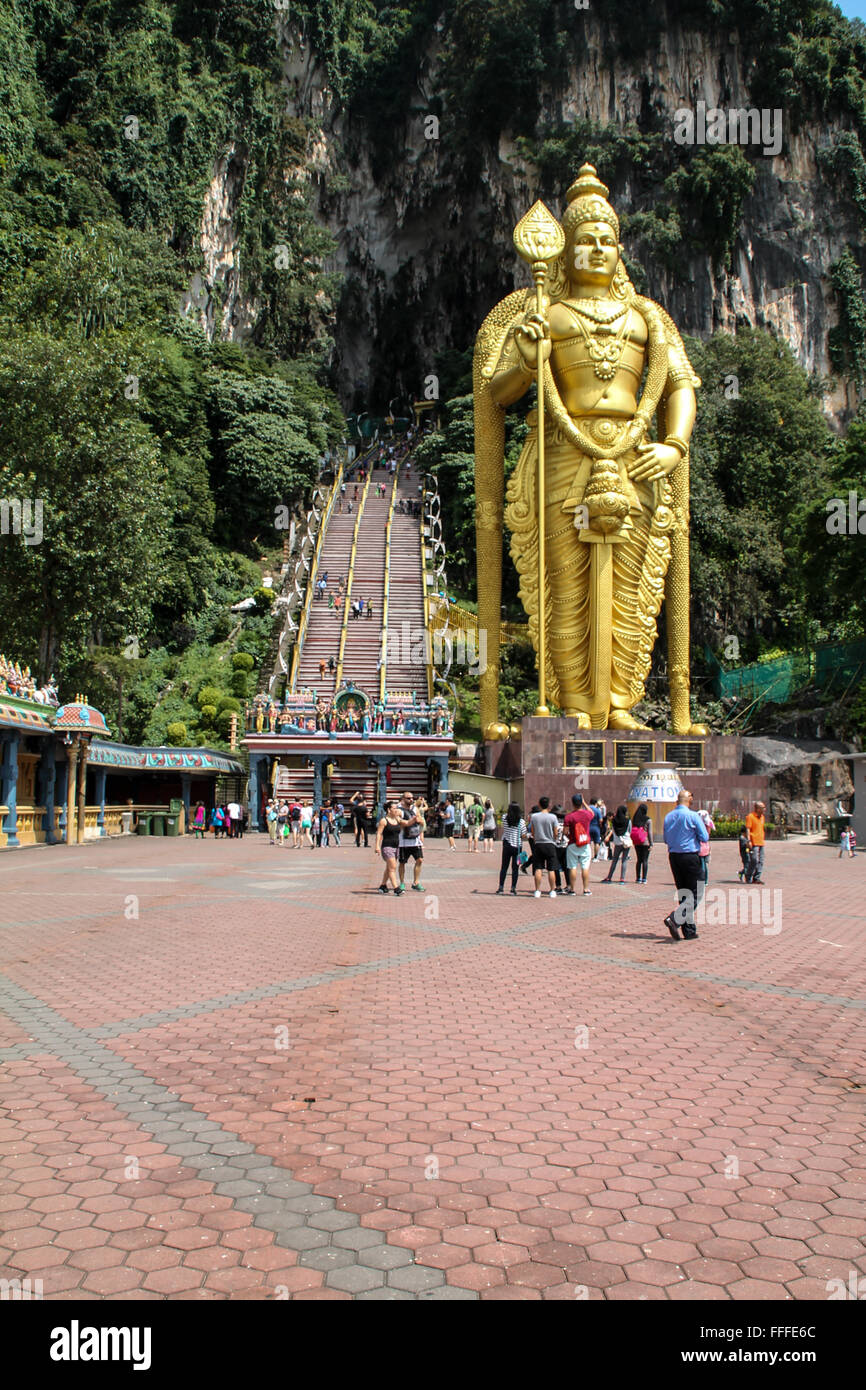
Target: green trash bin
(158,819)
(172,824)
(144,823)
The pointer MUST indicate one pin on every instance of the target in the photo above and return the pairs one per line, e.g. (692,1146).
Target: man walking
(684,833)
(755,828)
(578,855)
(234,811)
(543,827)
(411,842)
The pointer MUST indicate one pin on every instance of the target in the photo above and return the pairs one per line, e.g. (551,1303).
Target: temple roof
(80,717)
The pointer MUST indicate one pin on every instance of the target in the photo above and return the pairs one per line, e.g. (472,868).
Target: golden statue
(616,504)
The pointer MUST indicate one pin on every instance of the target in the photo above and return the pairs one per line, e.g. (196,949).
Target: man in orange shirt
(755,829)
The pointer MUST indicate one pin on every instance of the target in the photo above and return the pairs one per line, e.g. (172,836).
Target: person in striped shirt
(514,832)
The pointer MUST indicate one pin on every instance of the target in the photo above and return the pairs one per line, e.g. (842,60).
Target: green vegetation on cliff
(159,456)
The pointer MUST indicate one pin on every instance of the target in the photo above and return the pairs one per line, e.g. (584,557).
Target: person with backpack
(513,834)
(579,851)
(474,819)
(620,834)
(642,839)
(294,813)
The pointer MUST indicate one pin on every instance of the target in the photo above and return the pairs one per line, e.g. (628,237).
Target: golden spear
(539,239)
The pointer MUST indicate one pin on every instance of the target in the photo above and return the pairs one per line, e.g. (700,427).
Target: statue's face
(592,254)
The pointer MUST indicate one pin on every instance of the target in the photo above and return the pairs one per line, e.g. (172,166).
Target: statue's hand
(656,461)
(534,329)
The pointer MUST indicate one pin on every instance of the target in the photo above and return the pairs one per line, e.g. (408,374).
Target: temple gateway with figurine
(64,780)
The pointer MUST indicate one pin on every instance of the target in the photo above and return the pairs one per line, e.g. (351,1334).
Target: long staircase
(406,618)
(390,577)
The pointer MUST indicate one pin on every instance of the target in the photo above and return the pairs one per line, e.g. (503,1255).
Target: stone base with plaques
(556,758)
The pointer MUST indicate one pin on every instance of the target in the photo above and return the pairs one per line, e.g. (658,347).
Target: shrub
(228,703)
(224,721)
(240,684)
(209,695)
(176,734)
(242,661)
(208,714)
(264,600)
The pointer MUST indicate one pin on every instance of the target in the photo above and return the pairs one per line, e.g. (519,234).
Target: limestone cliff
(423,256)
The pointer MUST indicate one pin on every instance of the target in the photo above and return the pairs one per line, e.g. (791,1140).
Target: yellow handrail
(464,620)
(427,628)
(311,579)
(349,578)
(382,667)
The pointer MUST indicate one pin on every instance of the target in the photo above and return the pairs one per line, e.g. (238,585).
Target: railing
(349,579)
(311,577)
(383,654)
(428,665)
(291,598)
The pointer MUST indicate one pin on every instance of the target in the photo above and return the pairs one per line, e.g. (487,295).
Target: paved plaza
(232,1071)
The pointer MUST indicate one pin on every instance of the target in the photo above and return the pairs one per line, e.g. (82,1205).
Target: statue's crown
(587,183)
(587,201)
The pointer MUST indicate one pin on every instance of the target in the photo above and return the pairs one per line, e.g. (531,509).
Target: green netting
(836,666)
(841,665)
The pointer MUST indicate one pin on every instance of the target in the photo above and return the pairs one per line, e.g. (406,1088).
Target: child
(744,853)
(845,844)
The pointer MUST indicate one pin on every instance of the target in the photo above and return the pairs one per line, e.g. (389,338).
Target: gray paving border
(354,1258)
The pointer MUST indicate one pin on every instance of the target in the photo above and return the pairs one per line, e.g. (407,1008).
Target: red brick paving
(708,1141)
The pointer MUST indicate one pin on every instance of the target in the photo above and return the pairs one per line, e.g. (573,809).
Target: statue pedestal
(556,758)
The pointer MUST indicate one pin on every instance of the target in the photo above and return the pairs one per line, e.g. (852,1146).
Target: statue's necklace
(583,307)
(605,351)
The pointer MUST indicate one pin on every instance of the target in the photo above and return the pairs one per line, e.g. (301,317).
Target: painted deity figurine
(616,505)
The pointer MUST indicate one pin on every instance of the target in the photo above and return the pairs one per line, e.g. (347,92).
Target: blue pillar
(317,780)
(61,783)
(45,796)
(185,780)
(255,791)
(381,783)
(443,771)
(99,795)
(9,786)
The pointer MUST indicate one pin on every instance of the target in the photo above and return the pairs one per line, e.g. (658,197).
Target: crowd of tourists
(557,848)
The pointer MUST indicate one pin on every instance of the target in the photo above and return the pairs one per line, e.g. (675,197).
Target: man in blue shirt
(684,832)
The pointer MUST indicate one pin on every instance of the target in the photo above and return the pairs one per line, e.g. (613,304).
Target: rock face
(799,771)
(408,240)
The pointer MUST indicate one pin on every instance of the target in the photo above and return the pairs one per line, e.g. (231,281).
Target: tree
(69,441)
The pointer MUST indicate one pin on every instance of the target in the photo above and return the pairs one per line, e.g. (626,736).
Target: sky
(854,9)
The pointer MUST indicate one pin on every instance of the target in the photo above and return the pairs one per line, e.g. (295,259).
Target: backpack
(581,834)
(639,835)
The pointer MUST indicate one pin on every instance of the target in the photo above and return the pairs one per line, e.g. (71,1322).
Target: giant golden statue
(615,504)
